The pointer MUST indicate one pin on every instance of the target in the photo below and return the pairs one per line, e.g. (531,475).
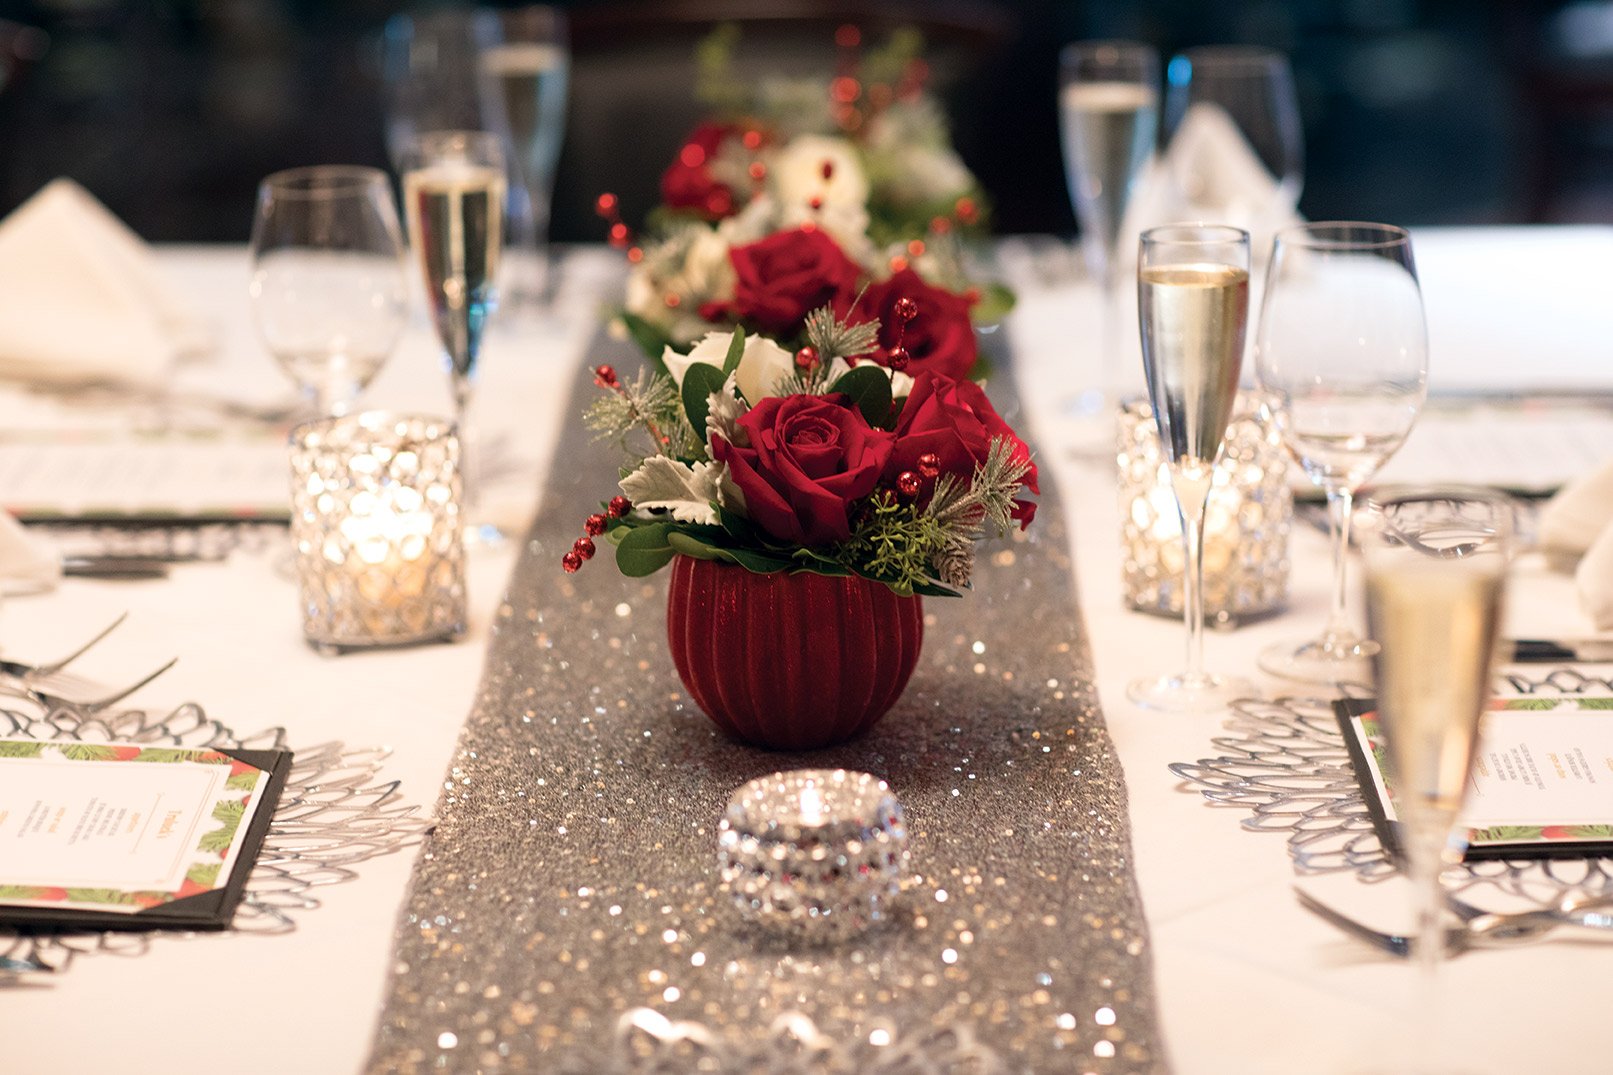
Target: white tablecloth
(1247,980)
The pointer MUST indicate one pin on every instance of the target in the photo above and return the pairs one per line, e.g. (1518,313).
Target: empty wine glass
(1193,304)
(453,191)
(1109,120)
(1436,565)
(328,288)
(431,65)
(1341,355)
(525,64)
(1234,144)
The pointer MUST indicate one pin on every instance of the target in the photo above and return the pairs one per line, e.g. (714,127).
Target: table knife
(1543,650)
(115,567)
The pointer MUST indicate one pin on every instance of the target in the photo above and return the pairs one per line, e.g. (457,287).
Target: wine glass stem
(1191,506)
(1425,858)
(1340,505)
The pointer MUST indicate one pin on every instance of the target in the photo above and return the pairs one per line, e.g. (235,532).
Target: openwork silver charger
(334,813)
(1285,763)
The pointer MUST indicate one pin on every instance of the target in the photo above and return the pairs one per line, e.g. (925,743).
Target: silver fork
(43,671)
(56,702)
(1481,929)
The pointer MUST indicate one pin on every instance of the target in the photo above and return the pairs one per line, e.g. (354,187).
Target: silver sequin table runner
(566,915)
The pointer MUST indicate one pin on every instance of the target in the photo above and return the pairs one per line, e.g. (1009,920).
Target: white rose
(762,365)
(797,173)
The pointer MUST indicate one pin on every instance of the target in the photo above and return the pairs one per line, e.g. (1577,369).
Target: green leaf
(736,351)
(87,752)
(760,562)
(1596,703)
(692,546)
(242,782)
(99,895)
(699,383)
(869,387)
(21,750)
(165,755)
(205,875)
(22,892)
(651,340)
(995,303)
(644,550)
(1506,834)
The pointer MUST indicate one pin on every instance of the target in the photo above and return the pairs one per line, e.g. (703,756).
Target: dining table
(1243,977)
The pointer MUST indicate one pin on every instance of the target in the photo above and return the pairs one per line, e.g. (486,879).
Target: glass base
(1347,660)
(1184,693)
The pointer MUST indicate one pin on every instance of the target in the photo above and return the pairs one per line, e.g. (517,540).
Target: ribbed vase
(790,662)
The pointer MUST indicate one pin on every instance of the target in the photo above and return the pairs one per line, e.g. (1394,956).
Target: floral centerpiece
(805,445)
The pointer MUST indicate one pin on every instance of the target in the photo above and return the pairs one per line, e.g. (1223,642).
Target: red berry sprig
(583,549)
(806,359)
(618,234)
(905,309)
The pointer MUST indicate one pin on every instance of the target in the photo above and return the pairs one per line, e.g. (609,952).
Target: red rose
(688,184)
(809,458)
(784,277)
(955,421)
(940,337)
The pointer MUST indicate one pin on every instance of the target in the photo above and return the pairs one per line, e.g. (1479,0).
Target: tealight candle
(378,532)
(1246,522)
(813,854)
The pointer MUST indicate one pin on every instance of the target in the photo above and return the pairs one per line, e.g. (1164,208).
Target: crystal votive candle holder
(1246,522)
(814,855)
(378,530)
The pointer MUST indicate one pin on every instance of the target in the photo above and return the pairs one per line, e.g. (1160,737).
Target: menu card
(1542,781)
(130,835)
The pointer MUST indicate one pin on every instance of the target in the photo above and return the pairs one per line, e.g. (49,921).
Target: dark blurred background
(1430,112)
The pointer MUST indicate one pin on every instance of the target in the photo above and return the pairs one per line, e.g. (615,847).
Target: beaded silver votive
(815,855)
(375,517)
(1246,522)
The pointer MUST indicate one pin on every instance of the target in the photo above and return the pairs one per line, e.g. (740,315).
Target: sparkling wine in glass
(1109,120)
(329,291)
(453,191)
(525,64)
(1341,356)
(1436,566)
(1193,306)
(453,187)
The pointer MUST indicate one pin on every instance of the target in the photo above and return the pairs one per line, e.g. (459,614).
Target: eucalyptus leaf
(644,550)
(760,562)
(688,545)
(699,383)
(736,351)
(869,387)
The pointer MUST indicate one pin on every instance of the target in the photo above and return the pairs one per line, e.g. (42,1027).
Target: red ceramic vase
(790,662)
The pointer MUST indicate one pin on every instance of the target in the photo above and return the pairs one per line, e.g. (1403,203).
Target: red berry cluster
(906,309)
(909,484)
(583,548)
(620,236)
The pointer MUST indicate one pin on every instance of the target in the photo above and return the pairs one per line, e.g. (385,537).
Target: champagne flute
(1193,305)
(329,291)
(1341,355)
(1109,119)
(453,189)
(1234,143)
(525,65)
(1436,563)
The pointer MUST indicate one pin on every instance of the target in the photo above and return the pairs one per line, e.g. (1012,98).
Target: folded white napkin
(26,563)
(1209,174)
(83,300)
(1578,521)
